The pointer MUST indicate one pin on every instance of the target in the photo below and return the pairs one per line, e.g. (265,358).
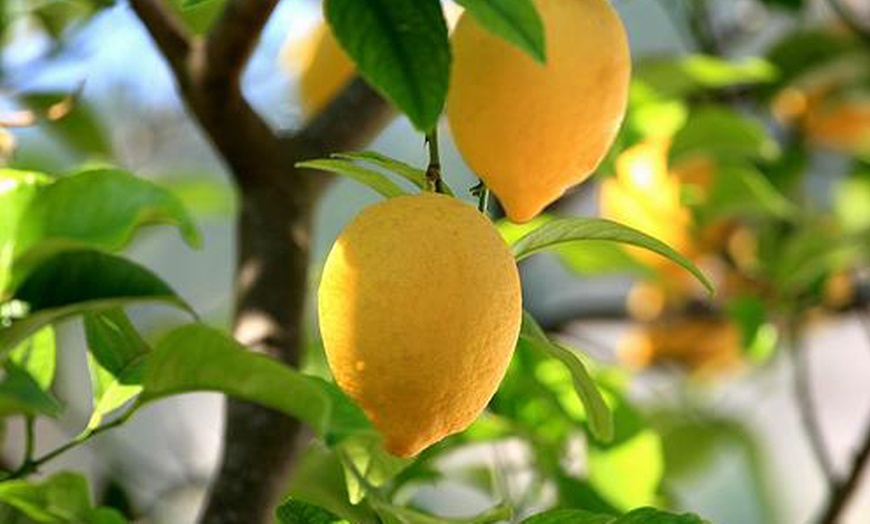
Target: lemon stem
(433,172)
(482,193)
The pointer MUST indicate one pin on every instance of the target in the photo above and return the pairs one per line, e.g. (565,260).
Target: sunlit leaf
(100,209)
(565,230)
(199,358)
(37,357)
(600,418)
(410,173)
(368,177)
(117,361)
(63,497)
(17,189)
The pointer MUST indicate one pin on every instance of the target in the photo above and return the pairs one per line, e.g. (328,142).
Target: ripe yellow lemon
(533,130)
(704,346)
(645,195)
(420,309)
(325,69)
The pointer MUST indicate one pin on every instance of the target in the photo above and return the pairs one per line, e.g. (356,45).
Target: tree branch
(844,490)
(233,38)
(807,406)
(167,31)
(355,116)
(274,230)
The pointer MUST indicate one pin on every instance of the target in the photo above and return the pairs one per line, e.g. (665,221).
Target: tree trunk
(274,233)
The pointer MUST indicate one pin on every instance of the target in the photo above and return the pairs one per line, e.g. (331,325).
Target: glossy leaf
(63,497)
(368,177)
(37,356)
(21,394)
(74,282)
(297,512)
(517,21)
(117,361)
(410,173)
(198,358)
(17,189)
(638,516)
(687,75)
(401,48)
(565,230)
(100,209)
(599,415)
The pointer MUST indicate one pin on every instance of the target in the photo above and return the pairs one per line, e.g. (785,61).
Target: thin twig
(844,490)
(167,30)
(233,38)
(29,439)
(32,465)
(807,406)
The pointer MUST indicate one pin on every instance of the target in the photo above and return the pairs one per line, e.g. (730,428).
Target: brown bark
(274,229)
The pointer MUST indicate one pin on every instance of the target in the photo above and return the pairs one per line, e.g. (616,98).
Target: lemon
(324,68)
(645,195)
(533,130)
(420,309)
(704,346)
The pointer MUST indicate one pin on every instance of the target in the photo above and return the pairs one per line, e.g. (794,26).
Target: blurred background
(727,439)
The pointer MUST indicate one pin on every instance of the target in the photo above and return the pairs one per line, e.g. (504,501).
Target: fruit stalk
(433,170)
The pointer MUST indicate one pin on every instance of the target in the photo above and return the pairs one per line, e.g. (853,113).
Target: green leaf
(638,516)
(199,358)
(319,479)
(628,473)
(80,130)
(369,177)
(599,415)
(410,173)
(100,209)
(73,282)
(401,48)
(117,363)
(743,190)
(21,394)
(684,76)
(62,498)
(198,16)
(724,134)
(517,21)
(297,512)
(37,357)
(565,230)
(364,456)
(17,189)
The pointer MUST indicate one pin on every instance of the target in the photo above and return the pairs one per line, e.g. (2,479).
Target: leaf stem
(433,171)
(32,465)
(29,438)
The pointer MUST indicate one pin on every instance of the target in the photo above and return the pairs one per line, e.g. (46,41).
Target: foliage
(762,236)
